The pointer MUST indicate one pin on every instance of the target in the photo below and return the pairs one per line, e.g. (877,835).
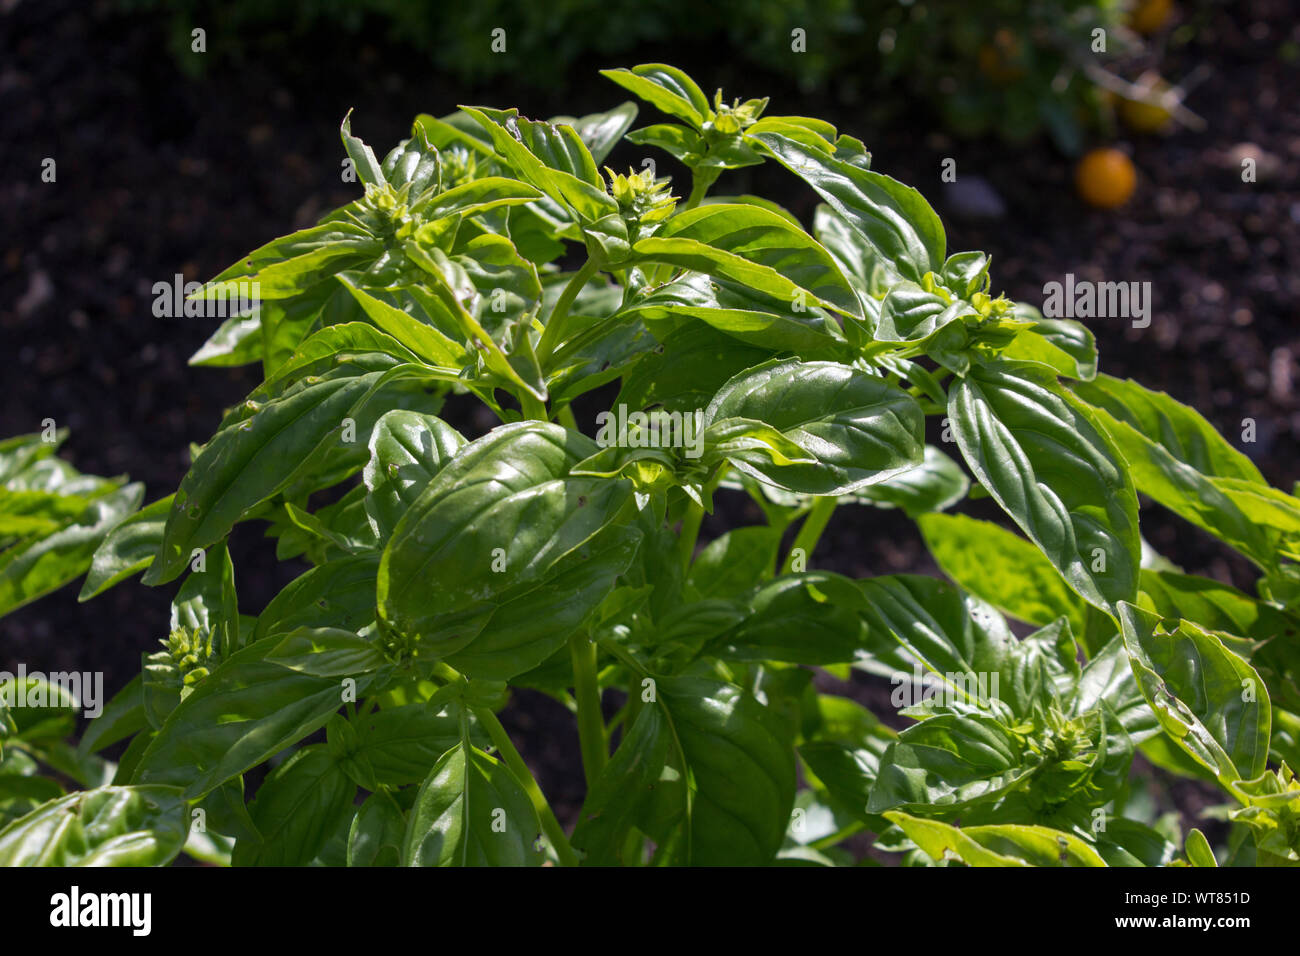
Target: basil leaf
(1043,458)
(666,88)
(1209,701)
(106,826)
(1003,569)
(859,428)
(471,811)
(296,810)
(245,711)
(893,219)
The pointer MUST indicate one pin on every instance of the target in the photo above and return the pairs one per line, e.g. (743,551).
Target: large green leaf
(741,311)
(740,772)
(949,763)
(1180,430)
(43,563)
(622,790)
(245,711)
(1209,701)
(859,428)
(807,618)
(1063,345)
(1175,457)
(253,458)
(665,87)
(769,239)
(892,218)
(958,638)
(128,548)
(502,517)
(375,836)
(1002,568)
(935,484)
(339,593)
(107,826)
(402,743)
(406,450)
(998,845)
(693,361)
(471,811)
(1042,457)
(296,810)
(734,562)
(552,158)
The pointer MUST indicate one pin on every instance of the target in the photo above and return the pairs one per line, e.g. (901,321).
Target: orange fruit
(1105,178)
(1148,16)
(1144,117)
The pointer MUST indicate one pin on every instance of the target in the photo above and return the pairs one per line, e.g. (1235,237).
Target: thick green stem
(532,407)
(690,533)
(553,334)
(701,180)
(811,532)
(591,723)
(505,746)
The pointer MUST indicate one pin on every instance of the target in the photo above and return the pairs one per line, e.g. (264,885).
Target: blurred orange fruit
(1144,117)
(1141,114)
(1149,16)
(1105,178)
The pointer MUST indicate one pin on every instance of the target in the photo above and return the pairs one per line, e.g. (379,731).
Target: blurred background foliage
(1012,67)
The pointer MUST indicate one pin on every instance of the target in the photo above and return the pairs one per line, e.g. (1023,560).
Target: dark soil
(160,173)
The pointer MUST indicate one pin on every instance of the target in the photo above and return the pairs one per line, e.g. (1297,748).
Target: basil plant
(732,351)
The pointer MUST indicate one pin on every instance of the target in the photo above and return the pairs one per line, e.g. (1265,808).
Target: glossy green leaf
(1000,845)
(739,310)
(935,484)
(1209,701)
(620,793)
(949,762)
(858,427)
(245,463)
(769,239)
(406,450)
(1062,345)
(1001,568)
(471,811)
(340,593)
(892,218)
(375,836)
(39,565)
(666,88)
(811,617)
(601,131)
(327,652)
(245,711)
(296,809)
(107,826)
(552,158)
(1043,458)
(734,562)
(506,502)
(741,771)
(127,549)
